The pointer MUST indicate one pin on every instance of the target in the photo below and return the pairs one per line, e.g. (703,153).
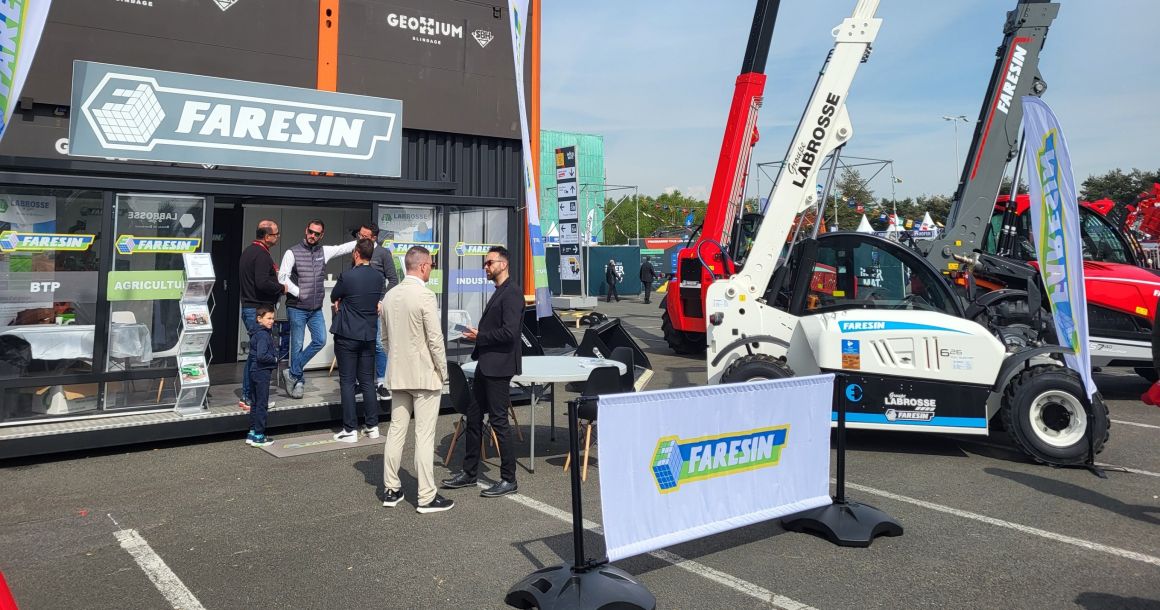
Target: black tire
(680,341)
(1054,396)
(756,367)
(1148,373)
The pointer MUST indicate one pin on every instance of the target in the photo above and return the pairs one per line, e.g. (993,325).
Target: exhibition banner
(1055,227)
(696,461)
(154,115)
(23,23)
(518,11)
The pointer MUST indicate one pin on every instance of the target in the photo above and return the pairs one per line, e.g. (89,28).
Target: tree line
(668,214)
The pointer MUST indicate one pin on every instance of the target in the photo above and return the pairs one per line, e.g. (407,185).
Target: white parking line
(1132,423)
(1034,531)
(1127,469)
(721,578)
(170,586)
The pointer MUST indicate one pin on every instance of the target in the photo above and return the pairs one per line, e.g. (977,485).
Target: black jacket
(384,263)
(497,348)
(610,274)
(258,278)
(647,273)
(360,289)
(262,349)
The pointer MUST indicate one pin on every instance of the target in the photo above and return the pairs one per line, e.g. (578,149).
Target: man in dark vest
(384,263)
(647,276)
(303,272)
(499,350)
(258,280)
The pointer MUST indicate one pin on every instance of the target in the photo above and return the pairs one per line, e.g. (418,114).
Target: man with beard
(303,272)
(499,352)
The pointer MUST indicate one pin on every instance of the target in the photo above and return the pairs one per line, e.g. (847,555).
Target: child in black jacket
(265,359)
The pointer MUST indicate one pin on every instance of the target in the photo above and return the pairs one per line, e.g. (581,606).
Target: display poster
(195,317)
(567,183)
(406,224)
(199,266)
(192,370)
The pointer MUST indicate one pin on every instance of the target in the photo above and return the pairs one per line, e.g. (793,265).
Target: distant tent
(864,226)
(927,222)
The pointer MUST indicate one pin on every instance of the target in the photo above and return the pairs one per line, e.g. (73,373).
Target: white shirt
(328,252)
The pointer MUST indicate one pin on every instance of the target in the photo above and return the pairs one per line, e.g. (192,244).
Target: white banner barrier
(677,465)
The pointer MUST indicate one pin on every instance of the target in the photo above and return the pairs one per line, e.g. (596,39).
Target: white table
(545,370)
(75,341)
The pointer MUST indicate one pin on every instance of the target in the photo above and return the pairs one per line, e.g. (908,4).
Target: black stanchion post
(1090,462)
(586,583)
(844,523)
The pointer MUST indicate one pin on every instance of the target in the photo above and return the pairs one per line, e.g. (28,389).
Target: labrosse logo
(677,462)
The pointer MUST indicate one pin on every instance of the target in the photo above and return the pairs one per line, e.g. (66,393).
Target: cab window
(1100,242)
(861,272)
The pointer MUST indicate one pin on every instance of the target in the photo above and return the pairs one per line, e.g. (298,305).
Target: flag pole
(534,140)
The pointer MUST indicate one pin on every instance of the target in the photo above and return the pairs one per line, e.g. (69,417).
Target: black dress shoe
(502,488)
(460,479)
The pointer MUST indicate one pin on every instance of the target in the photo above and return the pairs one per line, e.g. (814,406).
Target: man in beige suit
(414,340)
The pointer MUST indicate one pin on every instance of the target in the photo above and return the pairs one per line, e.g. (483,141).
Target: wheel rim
(757,378)
(1058,418)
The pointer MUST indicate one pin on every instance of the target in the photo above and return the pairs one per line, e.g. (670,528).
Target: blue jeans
(380,353)
(250,320)
(300,320)
(261,398)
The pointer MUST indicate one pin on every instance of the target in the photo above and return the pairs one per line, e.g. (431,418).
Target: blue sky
(655,78)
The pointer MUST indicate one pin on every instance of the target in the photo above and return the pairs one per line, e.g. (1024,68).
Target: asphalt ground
(212,523)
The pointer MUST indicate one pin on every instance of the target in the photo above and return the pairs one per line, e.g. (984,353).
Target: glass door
(145,286)
(471,232)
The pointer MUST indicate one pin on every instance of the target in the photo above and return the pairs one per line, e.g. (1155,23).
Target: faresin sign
(152,115)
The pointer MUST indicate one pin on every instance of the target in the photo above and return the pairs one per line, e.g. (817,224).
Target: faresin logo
(1014,69)
(464,249)
(677,462)
(1052,243)
(129,244)
(11,241)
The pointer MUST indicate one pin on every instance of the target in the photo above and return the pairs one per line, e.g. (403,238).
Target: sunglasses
(487,264)
(315,233)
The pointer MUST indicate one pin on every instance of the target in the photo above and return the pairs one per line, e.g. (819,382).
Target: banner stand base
(845,523)
(566,587)
(585,583)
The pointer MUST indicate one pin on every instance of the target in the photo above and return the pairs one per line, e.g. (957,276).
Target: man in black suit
(647,276)
(498,350)
(356,298)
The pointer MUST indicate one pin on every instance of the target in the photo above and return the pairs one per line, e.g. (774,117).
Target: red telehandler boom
(684,317)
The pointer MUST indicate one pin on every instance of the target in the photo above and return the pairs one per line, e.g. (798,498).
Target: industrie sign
(152,115)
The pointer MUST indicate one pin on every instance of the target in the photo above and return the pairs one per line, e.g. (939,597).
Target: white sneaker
(346,436)
(371,432)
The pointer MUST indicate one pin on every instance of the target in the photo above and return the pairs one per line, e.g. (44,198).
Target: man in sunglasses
(303,272)
(259,286)
(384,263)
(500,354)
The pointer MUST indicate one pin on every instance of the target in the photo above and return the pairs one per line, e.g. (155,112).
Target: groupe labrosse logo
(678,462)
